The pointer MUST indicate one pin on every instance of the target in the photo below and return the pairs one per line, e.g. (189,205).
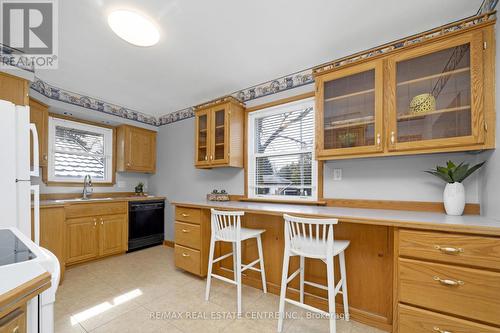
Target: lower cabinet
(112,234)
(81,239)
(91,237)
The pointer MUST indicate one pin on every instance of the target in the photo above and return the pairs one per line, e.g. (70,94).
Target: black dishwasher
(146,225)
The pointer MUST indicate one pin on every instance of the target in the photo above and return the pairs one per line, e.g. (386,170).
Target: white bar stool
(226,227)
(313,238)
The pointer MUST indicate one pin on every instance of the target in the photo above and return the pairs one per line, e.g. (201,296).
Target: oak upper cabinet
(349,108)
(435,95)
(219,134)
(136,149)
(432,97)
(39,115)
(14,89)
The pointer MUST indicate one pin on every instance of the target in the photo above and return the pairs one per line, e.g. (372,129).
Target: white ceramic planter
(454,198)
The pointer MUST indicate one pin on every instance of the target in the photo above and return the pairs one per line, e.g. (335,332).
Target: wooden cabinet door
(202,138)
(81,239)
(52,235)
(349,115)
(112,234)
(13,89)
(435,95)
(141,150)
(39,115)
(219,134)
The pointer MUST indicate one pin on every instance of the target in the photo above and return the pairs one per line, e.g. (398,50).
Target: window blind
(281,160)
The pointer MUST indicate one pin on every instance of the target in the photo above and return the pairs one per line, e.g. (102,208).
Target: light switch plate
(337,174)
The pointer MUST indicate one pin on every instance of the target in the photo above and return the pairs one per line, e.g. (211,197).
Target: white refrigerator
(16,195)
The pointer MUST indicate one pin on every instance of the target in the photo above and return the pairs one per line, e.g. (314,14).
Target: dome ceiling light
(134,28)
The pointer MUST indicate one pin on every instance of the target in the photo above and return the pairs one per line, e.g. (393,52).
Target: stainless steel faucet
(87,187)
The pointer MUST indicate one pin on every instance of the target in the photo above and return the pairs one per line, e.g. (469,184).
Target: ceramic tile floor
(143,292)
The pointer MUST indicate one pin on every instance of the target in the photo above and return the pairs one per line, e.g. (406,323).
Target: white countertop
(16,274)
(424,220)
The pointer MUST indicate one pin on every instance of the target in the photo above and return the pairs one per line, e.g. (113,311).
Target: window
(78,149)
(281,162)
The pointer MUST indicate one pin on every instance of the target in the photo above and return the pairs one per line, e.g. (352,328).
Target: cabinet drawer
(466,292)
(188,234)
(187,259)
(14,322)
(458,249)
(95,209)
(414,320)
(184,214)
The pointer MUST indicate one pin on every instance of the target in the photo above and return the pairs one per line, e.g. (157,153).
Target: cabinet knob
(185,215)
(45,157)
(128,163)
(206,158)
(393,137)
(185,231)
(211,157)
(378,139)
(16,329)
(185,255)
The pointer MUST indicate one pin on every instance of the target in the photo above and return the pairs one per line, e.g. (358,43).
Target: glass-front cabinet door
(219,140)
(349,111)
(435,95)
(202,149)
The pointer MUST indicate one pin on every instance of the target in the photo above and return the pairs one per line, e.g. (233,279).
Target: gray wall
(125,182)
(176,176)
(490,194)
(389,178)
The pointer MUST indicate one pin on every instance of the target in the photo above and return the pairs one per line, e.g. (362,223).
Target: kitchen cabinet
(95,230)
(435,95)
(14,89)
(219,136)
(52,233)
(136,149)
(349,110)
(192,235)
(39,115)
(428,98)
(82,243)
(112,234)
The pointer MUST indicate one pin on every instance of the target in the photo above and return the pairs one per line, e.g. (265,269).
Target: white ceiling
(211,48)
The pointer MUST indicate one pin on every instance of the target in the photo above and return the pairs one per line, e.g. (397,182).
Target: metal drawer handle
(437,329)
(184,215)
(449,250)
(185,255)
(185,231)
(449,282)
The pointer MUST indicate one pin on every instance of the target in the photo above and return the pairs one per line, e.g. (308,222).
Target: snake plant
(452,173)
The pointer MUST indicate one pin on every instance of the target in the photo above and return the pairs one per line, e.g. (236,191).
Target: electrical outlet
(337,174)
(122,184)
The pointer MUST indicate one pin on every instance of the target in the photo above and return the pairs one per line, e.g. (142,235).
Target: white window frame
(108,149)
(251,155)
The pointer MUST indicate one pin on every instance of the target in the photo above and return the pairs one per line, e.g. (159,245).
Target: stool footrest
(250,266)
(307,307)
(320,286)
(222,257)
(291,277)
(222,278)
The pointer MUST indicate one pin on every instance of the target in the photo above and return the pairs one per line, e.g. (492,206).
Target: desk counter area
(406,271)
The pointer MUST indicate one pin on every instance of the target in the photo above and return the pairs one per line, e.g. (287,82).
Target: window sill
(78,184)
(294,202)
